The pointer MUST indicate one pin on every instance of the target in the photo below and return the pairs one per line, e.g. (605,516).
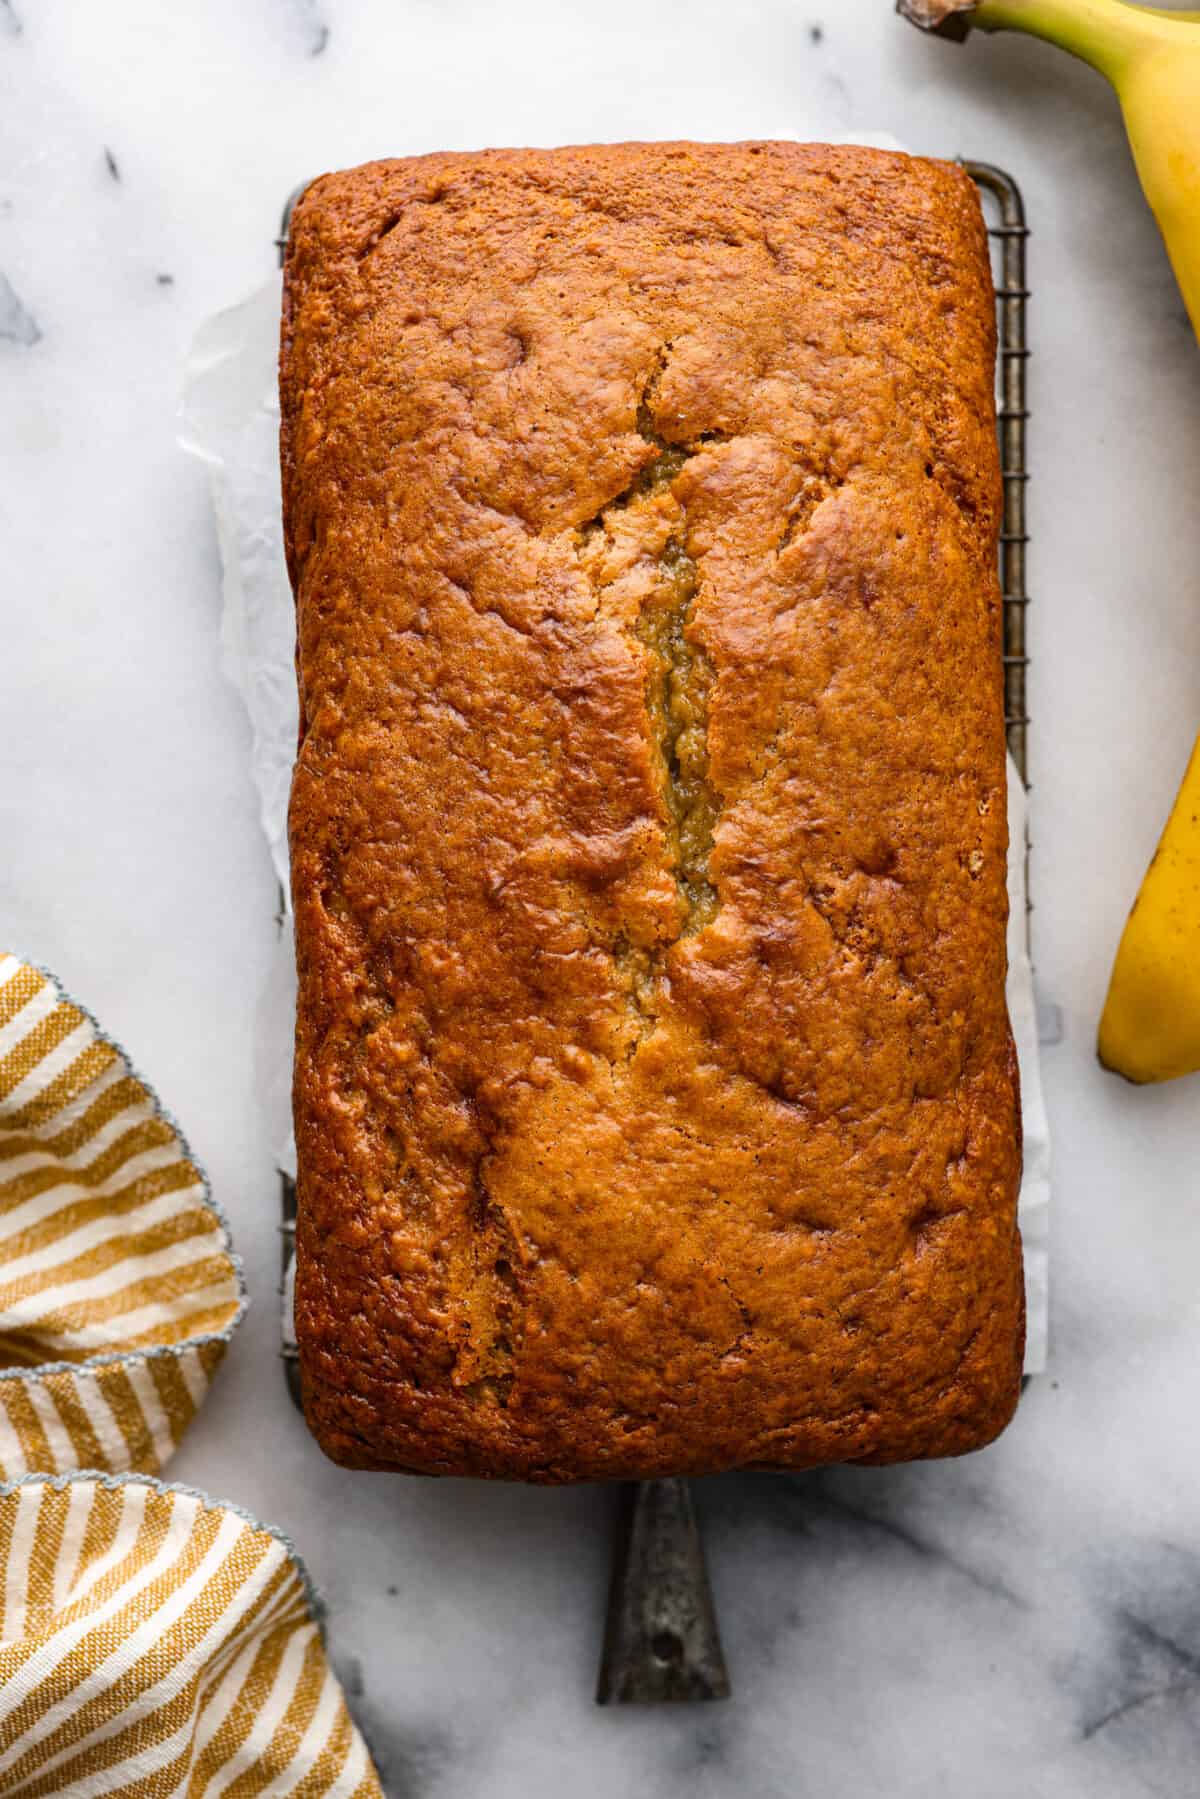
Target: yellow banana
(1150,1028)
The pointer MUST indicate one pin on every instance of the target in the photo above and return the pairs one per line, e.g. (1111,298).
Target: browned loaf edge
(655,1099)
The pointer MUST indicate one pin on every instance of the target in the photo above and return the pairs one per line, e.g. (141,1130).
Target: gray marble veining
(17,323)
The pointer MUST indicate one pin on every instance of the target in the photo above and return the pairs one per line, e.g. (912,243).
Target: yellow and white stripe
(118,1288)
(153,1644)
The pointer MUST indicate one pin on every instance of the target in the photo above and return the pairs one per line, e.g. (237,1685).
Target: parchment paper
(230,418)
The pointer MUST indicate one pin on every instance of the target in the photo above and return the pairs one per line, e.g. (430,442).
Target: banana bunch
(1150,1028)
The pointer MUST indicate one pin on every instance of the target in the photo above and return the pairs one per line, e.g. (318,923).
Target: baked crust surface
(656,1105)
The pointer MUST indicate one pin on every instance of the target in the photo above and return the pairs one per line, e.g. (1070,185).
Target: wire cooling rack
(661,1641)
(1009,240)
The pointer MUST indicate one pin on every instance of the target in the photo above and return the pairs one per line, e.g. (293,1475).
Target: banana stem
(1105,33)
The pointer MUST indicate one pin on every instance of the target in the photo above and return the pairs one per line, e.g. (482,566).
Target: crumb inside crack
(677,700)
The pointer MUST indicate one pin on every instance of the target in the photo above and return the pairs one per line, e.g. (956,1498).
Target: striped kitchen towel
(119,1291)
(153,1644)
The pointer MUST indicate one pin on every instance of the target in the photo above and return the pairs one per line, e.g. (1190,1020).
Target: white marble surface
(1023,1623)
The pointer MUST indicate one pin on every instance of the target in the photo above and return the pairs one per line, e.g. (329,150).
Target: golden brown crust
(655,1102)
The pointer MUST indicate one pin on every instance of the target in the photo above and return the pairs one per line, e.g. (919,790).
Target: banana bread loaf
(656,1105)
